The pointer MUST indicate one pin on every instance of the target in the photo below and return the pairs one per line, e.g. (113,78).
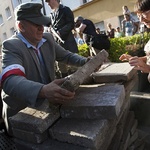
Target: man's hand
(55,94)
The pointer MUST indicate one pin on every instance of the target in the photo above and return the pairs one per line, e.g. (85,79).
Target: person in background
(78,39)
(118,33)
(95,41)
(62,23)
(125,10)
(85,27)
(110,31)
(28,72)
(142,8)
(128,26)
(98,31)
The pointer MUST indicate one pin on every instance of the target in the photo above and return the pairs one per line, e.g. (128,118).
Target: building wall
(8,23)
(101,10)
(96,10)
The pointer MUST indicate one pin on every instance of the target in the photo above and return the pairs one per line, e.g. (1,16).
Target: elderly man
(28,60)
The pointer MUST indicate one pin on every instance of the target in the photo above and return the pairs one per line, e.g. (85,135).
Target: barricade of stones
(98,118)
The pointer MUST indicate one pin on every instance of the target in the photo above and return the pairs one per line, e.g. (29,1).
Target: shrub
(133,45)
(83,50)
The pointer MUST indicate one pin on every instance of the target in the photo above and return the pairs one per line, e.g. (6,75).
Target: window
(15,3)
(19,1)
(4,36)
(120,20)
(86,1)
(101,26)
(8,13)
(12,31)
(1,19)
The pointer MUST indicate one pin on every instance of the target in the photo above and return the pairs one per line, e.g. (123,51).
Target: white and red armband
(14,69)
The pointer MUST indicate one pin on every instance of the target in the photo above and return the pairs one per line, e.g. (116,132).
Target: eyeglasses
(144,14)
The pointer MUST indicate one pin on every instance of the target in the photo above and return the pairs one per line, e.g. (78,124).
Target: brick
(95,102)
(49,144)
(86,133)
(29,136)
(76,79)
(36,120)
(114,72)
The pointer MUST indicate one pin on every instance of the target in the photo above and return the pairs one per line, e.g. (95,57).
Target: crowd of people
(29,56)
(129,26)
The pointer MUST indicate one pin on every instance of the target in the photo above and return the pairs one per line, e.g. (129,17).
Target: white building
(100,12)
(7,21)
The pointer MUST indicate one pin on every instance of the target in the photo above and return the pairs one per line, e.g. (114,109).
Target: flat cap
(31,12)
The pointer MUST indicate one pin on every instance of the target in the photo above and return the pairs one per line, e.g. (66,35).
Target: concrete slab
(36,120)
(29,136)
(95,102)
(114,72)
(49,144)
(87,133)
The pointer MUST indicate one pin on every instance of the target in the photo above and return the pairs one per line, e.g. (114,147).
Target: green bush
(133,45)
(83,50)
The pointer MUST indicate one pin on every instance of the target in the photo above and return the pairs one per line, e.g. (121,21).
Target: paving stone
(49,144)
(126,131)
(29,136)
(133,138)
(36,120)
(83,132)
(95,102)
(114,72)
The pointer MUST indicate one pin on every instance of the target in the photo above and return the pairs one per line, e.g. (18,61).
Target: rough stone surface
(87,133)
(36,120)
(114,72)
(95,102)
(30,136)
(76,79)
(49,144)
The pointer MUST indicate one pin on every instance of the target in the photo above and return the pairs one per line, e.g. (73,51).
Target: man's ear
(21,27)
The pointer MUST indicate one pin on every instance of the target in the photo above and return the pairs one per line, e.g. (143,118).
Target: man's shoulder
(48,36)
(64,8)
(12,39)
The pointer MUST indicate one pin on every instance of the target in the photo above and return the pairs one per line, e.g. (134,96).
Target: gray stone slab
(114,72)
(37,119)
(95,102)
(29,136)
(49,144)
(86,133)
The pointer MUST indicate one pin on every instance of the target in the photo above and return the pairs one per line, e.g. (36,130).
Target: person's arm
(139,63)
(81,28)
(123,26)
(68,22)
(136,27)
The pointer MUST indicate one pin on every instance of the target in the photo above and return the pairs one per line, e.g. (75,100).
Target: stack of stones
(98,118)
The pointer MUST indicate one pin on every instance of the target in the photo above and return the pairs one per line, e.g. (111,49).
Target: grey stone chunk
(87,133)
(30,136)
(49,144)
(76,79)
(37,119)
(114,72)
(95,102)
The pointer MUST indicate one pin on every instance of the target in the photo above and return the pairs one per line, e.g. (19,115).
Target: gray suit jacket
(18,91)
